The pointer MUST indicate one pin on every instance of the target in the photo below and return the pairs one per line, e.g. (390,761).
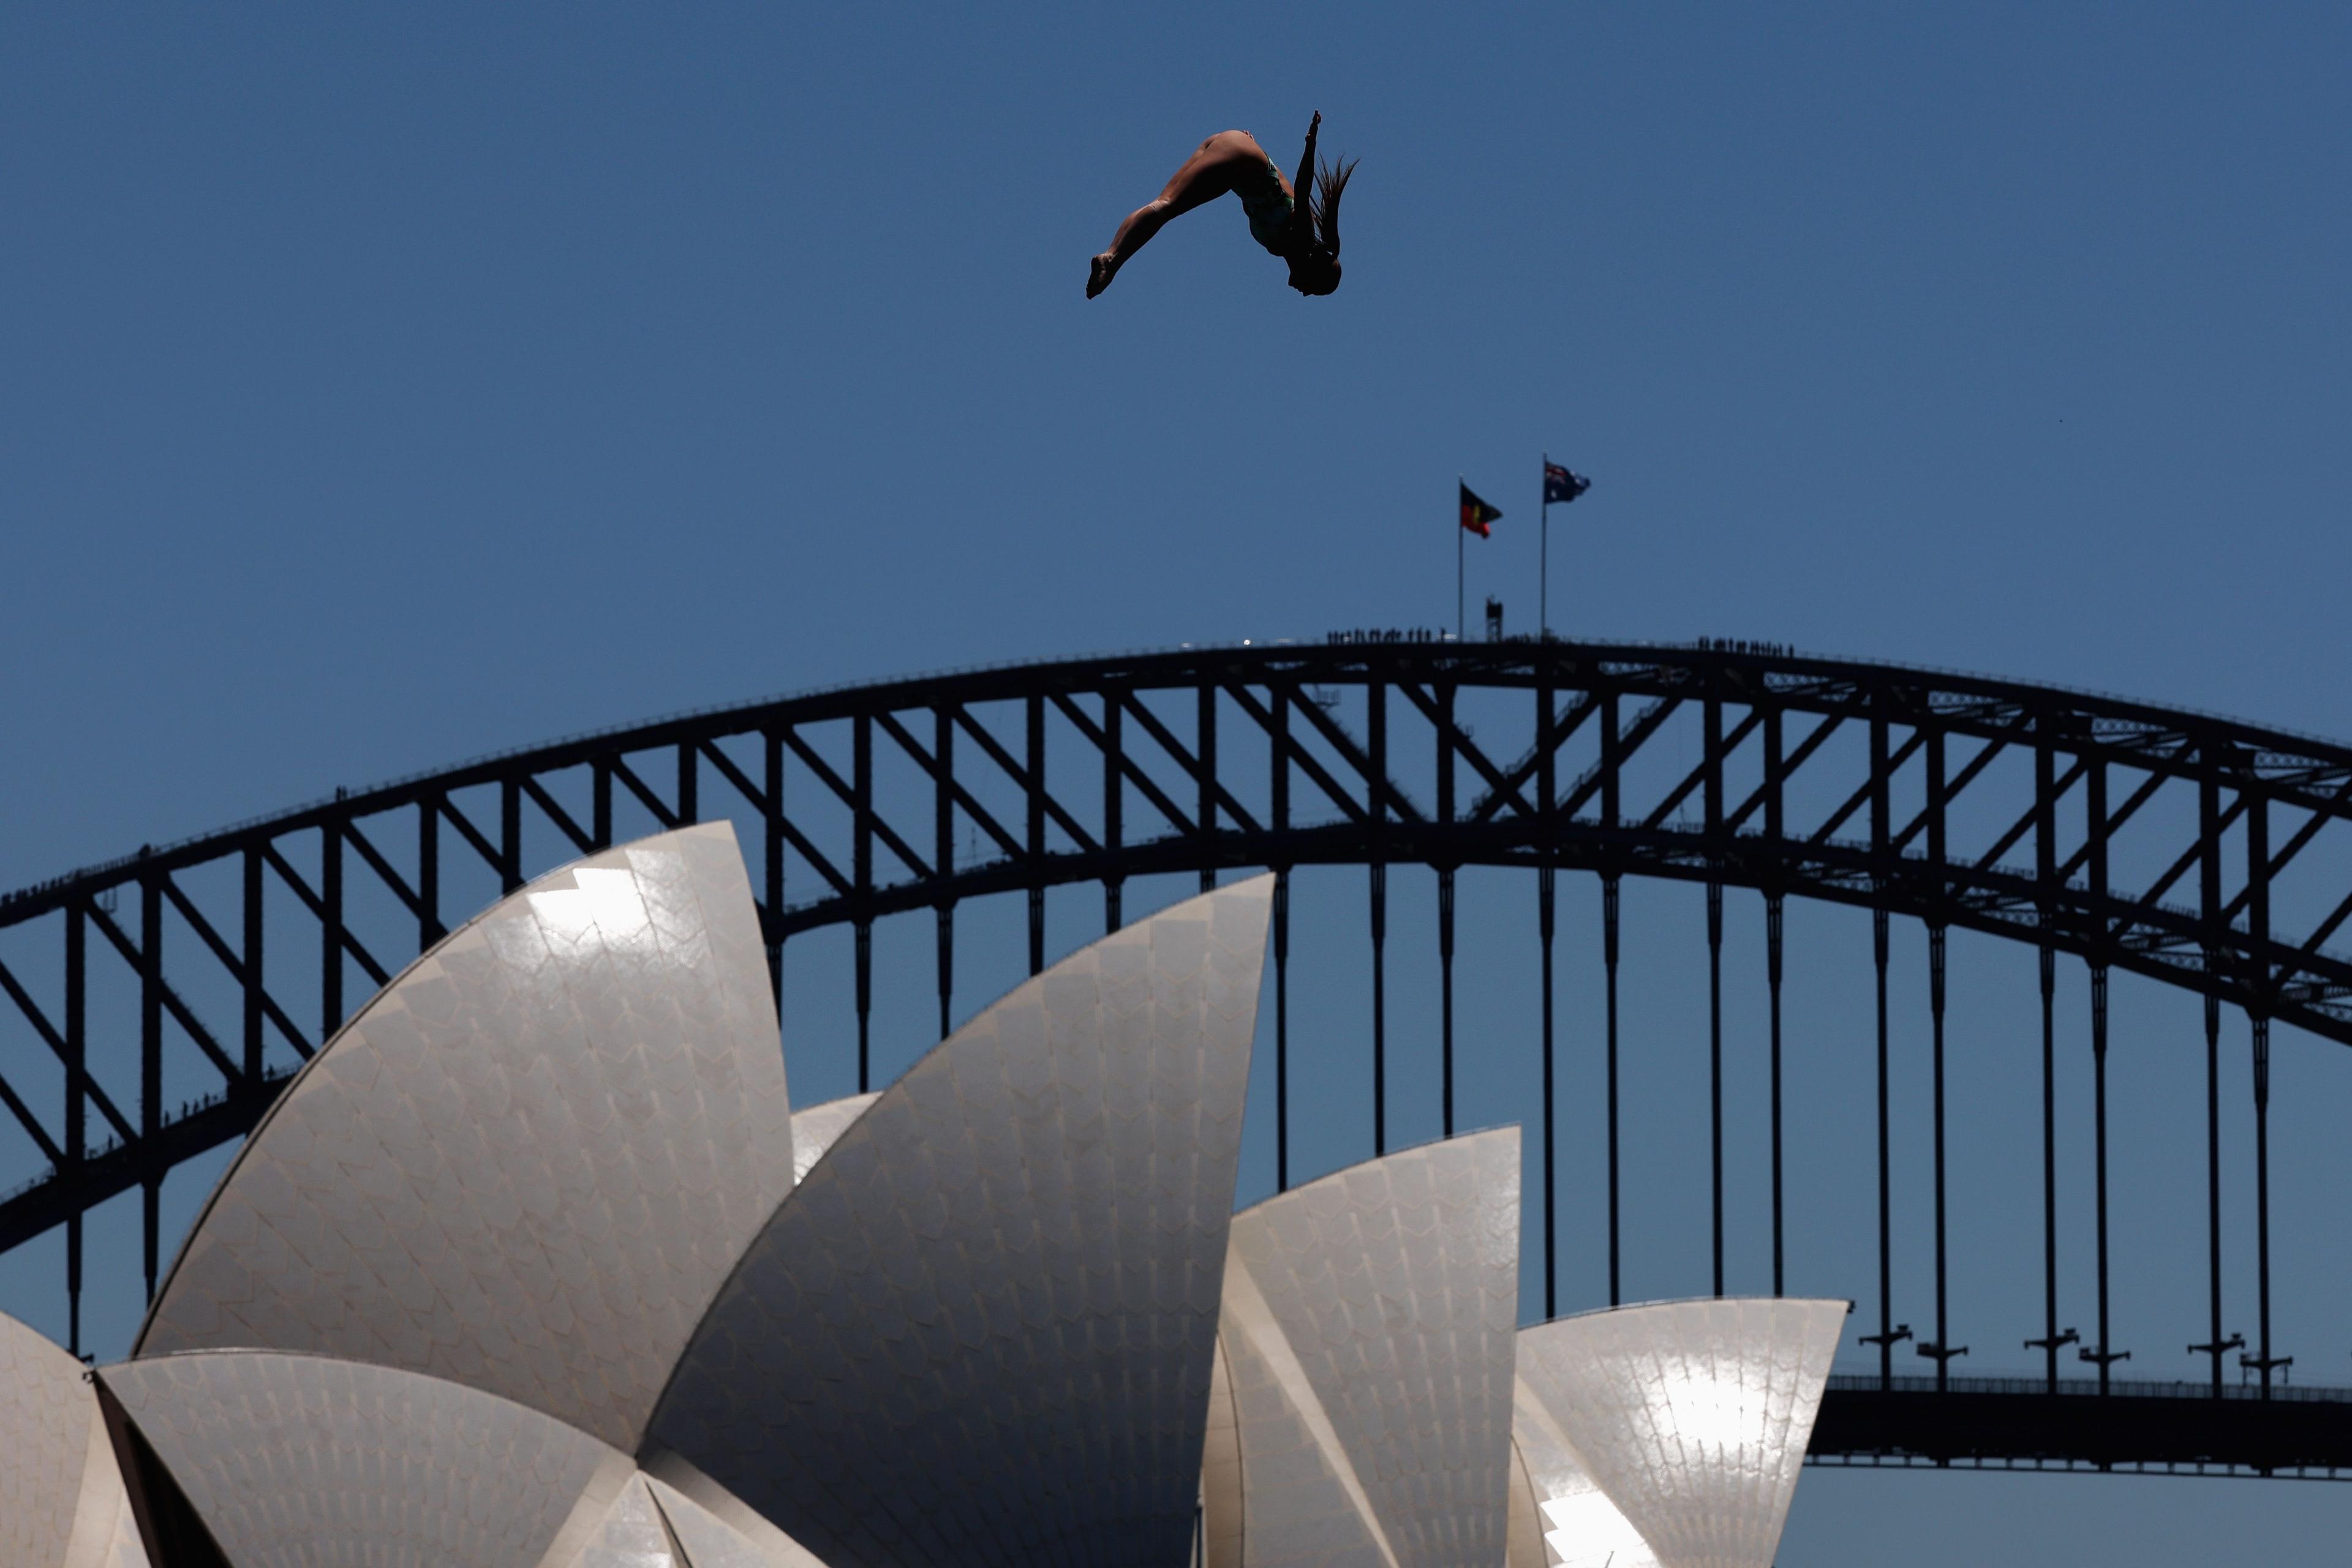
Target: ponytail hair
(1331,184)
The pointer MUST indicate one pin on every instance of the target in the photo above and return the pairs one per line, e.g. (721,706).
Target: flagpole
(1458,531)
(1543,561)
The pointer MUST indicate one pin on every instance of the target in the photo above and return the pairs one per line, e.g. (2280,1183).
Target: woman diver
(1303,232)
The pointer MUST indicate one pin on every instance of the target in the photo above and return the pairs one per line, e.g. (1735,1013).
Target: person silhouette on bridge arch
(1303,232)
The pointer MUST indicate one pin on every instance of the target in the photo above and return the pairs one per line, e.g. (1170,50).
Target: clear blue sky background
(379,387)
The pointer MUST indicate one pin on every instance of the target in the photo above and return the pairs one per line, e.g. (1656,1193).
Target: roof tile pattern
(710,1542)
(1221,1466)
(45,1412)
(120,1545)
(530,1163)
(631,1535)
(978,1333)
(1525,1547)
(1392,1290)
(61,1500)
(1571,1514)
(1293,1496)
(815,1127)
(307,1462)
(1692,1416)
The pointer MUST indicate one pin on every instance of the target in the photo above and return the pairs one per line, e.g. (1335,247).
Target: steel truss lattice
(2177,846)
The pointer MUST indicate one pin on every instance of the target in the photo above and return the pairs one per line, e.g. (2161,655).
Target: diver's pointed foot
(1098,275)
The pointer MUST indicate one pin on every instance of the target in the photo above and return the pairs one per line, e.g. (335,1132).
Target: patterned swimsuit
(1268,207)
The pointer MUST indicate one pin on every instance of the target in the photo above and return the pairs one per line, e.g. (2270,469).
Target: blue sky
(381,387)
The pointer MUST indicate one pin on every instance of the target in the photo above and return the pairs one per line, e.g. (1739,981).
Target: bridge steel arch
(2192,849)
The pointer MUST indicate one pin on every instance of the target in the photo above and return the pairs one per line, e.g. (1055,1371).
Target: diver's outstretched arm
(1302,216)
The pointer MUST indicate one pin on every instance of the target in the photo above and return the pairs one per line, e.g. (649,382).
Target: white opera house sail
(1362,1415)
(535,1266)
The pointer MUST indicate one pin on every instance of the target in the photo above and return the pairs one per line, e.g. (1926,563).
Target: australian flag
(1561,486)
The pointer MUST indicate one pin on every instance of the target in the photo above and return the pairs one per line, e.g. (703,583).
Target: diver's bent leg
(1205,176)
(1133,235)
(1137,231)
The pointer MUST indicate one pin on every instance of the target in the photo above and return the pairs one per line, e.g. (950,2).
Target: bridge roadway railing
(2203,853)
(2021,1423)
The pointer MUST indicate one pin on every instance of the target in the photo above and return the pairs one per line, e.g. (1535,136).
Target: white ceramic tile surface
(978,1333)
(632,1534)
(1569,1518)
(815,1127)
(714,1530)
(61,1500)
(528,1164)
(298,1461)
(1691,1416)
(1369,1324)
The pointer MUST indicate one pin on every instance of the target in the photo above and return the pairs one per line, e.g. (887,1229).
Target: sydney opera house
(535,1266)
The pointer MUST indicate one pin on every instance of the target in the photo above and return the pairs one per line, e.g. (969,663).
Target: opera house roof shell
(1363,1410)
(61,1496)
(528,1163)
(533,1266)
(1672,1433)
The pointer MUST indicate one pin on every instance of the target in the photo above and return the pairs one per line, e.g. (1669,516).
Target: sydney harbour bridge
(2203,854)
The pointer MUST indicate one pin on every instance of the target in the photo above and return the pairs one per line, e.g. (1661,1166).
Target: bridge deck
(2018,1423)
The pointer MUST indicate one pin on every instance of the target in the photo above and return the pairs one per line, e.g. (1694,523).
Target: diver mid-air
(1305,232)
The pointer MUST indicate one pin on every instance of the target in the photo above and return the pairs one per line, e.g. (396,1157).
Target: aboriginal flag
(1476,514)
(1561,486)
